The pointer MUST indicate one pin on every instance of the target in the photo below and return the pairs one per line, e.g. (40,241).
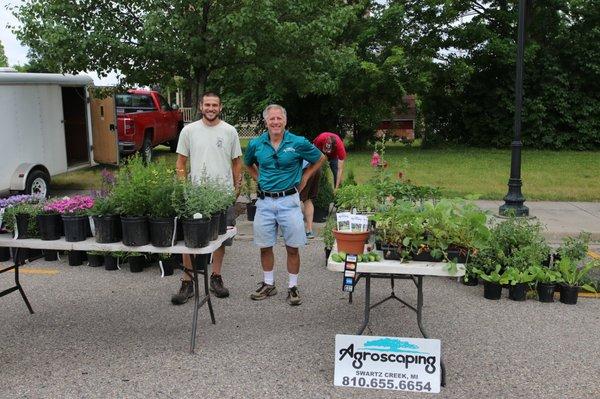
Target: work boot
(216,286)
(263,292)
(185,292)
(294,296)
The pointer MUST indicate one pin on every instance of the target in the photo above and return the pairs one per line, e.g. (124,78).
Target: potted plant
(225,198)
(161,213)
(573,278)
(137,261)
(492,282)
(325,195)
(21,218)
(104,213)
(95,258)
(73,211)
(574,248)
(361,198)
(328,238)
(248,190)
(131,194)
(194,204)
(75,258)
(546,279)
(50,222)
(518,281)
(397,228)
(111,260)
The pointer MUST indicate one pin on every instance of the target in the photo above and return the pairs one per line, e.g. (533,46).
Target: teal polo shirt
(282,169)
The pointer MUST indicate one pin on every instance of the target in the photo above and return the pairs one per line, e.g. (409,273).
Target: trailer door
(104,130)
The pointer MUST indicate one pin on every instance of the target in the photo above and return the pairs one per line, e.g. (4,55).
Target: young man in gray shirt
(213,149)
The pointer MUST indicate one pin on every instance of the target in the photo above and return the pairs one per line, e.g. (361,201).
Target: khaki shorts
(311,189)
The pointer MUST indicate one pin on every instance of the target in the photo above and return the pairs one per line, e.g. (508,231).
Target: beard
(210,117)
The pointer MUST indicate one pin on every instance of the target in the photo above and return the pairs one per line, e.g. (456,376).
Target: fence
(244,129)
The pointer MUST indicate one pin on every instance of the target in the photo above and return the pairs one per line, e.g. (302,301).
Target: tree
(3,59)
(150,41)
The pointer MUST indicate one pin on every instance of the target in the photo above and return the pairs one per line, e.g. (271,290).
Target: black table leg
(17,286)
(367,305)
(200,264)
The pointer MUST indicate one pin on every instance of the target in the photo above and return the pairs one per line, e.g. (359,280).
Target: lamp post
(514,200)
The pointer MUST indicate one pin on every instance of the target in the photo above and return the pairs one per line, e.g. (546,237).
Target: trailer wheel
(146,150)
(37,183)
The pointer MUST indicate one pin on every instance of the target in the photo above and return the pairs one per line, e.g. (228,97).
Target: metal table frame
(200,264)
(378,270)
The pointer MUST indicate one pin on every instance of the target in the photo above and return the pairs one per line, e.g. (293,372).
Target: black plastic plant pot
(327,253)
(108,229)
(214,227)
(76,227)
(250,211)
(320,215)
(568,294)
(492,290)
(179,231)
(390,252)
(223,222)
(545,292)
(50,255)
(34,254)
(136,263)
(518,292)
(460,256)
(50,226)
(196,232)
(470,280)
(22,224)
(161,231)
(110,262)
(75,258)
(4,254)
(424,256)
(378,245)
(169,265)
(135,230)
(95,260)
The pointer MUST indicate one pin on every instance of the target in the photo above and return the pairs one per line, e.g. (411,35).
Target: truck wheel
(37,183)
(173,144)
(146,150)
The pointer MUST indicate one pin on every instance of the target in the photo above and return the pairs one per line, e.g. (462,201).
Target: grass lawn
(458,171)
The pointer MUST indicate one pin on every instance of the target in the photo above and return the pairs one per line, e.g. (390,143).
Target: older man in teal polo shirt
(274,160)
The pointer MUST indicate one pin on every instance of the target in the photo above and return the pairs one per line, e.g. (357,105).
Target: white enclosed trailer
(48,125)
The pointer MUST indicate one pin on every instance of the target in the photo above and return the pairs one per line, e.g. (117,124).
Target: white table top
(396,267)
(90,244)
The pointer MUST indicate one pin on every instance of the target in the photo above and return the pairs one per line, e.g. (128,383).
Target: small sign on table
(404,364)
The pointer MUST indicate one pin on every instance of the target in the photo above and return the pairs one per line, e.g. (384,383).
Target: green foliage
(161,186)
(575,248)
(350,179)
(31,209)
(471,97)
(131,192)
(545,275)
(491,276)
(363,198)
(103,206)
(325,194)
(327,232)
(517,276)
(190,200)
(572,275)
(3,59)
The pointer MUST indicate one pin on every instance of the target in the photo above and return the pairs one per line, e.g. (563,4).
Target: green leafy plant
(575,248)
(363,198)
(546,275)
(161,185)
(573,275)
(31,209)
(327,232)
(132,189)
(191,200)
(325,194)
(493,276)
(515,276)
(103,206)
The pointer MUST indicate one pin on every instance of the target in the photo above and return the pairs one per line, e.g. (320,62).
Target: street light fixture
(514,200)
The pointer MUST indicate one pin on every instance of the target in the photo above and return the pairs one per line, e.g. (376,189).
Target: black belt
(277,194)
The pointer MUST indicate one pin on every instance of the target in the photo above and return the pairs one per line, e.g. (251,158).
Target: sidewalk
(561,219)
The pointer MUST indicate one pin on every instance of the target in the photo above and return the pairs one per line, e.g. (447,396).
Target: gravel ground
(99,334)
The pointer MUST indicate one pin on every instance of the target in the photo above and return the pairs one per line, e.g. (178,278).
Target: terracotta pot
(351,242)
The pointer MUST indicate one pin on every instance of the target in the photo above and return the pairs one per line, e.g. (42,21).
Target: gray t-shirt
(210,150)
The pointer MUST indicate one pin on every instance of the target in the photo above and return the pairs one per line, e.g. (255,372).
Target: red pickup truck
(144,120)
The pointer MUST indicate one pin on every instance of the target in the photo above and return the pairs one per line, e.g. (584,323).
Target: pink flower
(77,204)
(375,159)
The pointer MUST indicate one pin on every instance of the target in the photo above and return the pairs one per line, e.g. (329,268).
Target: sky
(17,53)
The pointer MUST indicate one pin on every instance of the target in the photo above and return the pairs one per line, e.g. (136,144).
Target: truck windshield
(133,103)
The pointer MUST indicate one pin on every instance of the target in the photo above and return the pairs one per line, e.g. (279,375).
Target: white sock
(269,278)
(293,281)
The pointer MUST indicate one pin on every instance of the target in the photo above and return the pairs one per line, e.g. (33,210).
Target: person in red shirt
(332,146)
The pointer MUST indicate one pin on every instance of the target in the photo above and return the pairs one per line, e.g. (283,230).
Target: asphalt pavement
(115,334)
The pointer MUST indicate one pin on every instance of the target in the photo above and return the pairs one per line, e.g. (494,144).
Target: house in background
(402,123)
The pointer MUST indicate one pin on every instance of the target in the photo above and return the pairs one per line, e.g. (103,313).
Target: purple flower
(20,198)
(77,204)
